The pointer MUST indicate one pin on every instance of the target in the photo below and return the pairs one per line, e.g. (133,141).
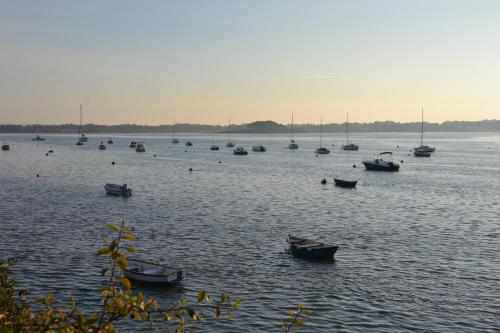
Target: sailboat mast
(422,130)
(291,130)
(347,128)
(320,132)
(229,129)
(81,120)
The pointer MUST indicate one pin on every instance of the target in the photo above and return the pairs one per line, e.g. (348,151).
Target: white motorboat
(114,189)
(149,272)
(382,163)
(259,148)
(139,147)
(349,146)
(240,151)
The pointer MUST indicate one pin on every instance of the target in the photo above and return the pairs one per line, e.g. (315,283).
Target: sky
(205,61)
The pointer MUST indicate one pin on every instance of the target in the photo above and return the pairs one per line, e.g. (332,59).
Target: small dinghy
(259,148)
(345,183)
(306,248)
(139,147)
(115,189)
(148,272)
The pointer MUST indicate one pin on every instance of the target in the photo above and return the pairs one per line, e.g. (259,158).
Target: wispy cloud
(316,77)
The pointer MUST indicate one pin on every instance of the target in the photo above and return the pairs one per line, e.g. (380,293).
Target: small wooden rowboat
(149,272)
(306,248)
(115,189)
(345,183)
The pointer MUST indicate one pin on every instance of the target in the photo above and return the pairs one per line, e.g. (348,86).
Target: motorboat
(345,183)
(421,153)
(381,164)
(148,272)
(114,189)
(132,144)
(259,148)
(422,149)
(240,151)
(322,151)
(175,140)
(110,141)
(229,145)
(79,142)
(188,143)
(139,147)
(348,146)
(214,147)
(305,248)
(5,146)
(101,146)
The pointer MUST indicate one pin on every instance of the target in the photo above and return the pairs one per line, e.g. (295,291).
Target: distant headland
(264,127)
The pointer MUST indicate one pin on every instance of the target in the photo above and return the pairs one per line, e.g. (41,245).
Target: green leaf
(230,313)
(237,303)
(201,295)
(217,311)
(128,236)
(130,249)
(103,251)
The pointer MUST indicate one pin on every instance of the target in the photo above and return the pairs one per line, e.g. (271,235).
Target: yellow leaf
(217,311)
(103,250)
(126,283)
(128,236)
(122,262)
(112,226)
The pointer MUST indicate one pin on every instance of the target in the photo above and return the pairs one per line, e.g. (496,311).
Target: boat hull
(152,279)
(419,153)
(350,147)
(345,183)
(308,253)
(380,167)
(117,190)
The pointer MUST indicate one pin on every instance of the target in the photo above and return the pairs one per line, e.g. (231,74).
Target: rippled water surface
(419,249)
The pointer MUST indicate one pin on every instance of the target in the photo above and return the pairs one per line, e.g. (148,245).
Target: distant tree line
(264,127)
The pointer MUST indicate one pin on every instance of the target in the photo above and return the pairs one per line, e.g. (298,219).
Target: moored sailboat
(292,144)
(321,150)
(349,146)
(423,151)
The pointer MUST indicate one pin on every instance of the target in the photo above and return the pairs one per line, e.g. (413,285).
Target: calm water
(419,249)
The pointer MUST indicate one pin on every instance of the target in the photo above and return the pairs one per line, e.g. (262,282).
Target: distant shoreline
(263,127)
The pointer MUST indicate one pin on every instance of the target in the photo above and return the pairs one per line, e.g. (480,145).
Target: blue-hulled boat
(306,248)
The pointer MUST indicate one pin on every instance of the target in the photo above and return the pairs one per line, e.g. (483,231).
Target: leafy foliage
(46,314)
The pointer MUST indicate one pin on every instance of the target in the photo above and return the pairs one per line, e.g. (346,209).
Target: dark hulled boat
(306,248)
(345,183)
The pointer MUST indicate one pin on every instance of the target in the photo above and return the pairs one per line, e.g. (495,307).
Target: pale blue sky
(203,61)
